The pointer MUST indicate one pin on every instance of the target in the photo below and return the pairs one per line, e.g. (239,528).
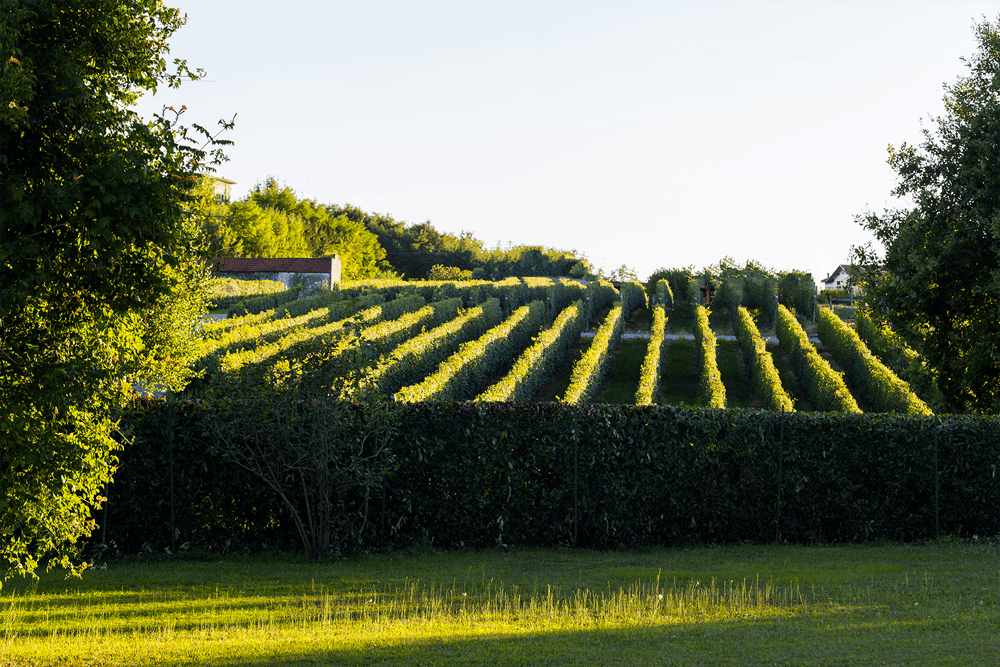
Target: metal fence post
(937,486)
(781,455)
(170,441)
(576,479)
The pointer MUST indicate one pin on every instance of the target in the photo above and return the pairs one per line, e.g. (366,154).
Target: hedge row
(534,367)
(225,292)
(649,374)
(418,357)
(388,334)
(512,292)
(633,296)
(877,385)
(824,385)
(254,366)
(710,387)
(763,375)
(594,476)
(664,295)
(589,370)
(893,351)
(461,375)
(255,333)
(258,329)
(258,304)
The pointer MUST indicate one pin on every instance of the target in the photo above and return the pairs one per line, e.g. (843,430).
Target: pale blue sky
(654,134)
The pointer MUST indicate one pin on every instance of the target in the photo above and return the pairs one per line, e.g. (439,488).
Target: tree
(98,279)
(938,282)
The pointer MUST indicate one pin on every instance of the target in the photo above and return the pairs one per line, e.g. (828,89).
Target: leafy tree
(98,281)
(360,254)
(266,232)
(217,235)
(938,283)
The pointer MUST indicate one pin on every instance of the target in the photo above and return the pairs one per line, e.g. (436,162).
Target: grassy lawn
(622,380)
(680,384)
(557,385)
(788,380)
(748,605)
(739,391)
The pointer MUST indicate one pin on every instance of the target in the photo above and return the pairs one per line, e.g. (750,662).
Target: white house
(838,279)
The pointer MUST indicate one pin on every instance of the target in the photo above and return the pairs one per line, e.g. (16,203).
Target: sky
(650,134)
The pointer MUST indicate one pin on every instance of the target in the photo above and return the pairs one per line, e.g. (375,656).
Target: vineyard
(543,339)
(550,413)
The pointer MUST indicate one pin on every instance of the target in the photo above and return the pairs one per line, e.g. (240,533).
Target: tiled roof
(272,264)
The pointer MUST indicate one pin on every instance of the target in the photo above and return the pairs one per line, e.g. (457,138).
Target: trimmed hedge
(824,385)
(483,474)
(537,364)
(710,387)
(649,374)
(463,373)
(763,375)
(877,385)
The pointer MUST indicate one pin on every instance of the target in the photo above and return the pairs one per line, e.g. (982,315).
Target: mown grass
(788,379)
(739,391)
(753,605)
(622,380)
(680,371)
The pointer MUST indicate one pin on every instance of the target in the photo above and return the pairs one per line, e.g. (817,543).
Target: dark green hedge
(602,476)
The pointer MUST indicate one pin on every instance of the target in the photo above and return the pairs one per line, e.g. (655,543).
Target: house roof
(839,270)
(272,264)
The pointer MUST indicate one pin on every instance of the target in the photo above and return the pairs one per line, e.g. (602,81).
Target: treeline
(272,221)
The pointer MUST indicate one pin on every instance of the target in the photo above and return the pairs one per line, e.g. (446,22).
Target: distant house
(311,272)
(221,187)
(838,279)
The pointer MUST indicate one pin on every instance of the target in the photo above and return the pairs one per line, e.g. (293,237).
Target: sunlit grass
(703,606)
(138,625)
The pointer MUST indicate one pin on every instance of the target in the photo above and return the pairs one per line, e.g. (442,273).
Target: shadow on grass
(817,640)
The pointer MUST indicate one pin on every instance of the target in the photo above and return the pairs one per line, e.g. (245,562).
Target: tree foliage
(938,282)
(99,282)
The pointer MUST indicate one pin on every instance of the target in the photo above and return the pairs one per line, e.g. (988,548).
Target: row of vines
(502,341)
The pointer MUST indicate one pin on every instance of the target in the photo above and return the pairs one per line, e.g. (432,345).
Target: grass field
(748,605)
